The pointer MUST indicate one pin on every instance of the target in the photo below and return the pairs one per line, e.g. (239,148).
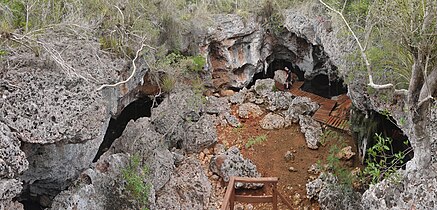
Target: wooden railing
(231,197)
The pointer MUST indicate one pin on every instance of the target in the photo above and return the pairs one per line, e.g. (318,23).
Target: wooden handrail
(230,197)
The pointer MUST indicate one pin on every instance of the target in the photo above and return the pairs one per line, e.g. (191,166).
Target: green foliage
(334,164)
(382,162)
(330,135)
(255,140)
(134,175)
(168,83)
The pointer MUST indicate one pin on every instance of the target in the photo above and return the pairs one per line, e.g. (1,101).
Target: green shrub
(134,175)
(255,140)
(168,83)
(382,162)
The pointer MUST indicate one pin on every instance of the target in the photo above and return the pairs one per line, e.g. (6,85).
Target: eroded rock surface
(312,130)
(247,110)
(232,163)
(272,121)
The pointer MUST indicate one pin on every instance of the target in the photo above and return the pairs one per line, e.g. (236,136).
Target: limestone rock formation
(272,121)
(247,110)
(188,188)
(232,163)
(179,130)
(278,100)
(299,106)
(312,130)
(264,87)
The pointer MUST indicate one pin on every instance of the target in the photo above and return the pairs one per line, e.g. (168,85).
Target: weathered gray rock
(199,135)
(299,106)
(169,120)
(188,188)
(99,187)
(312,130)
(279,100)
(217,105)
(232,120)
(263,87)
(332,195)
(12,160)
(239,97)
(281,76)
(272,121)
(407,191)
(247,110)
(232,163)
(288,156)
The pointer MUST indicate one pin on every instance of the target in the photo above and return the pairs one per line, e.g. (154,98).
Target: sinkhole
(135,110)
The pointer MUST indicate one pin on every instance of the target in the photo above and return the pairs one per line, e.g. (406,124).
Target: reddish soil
(268,156)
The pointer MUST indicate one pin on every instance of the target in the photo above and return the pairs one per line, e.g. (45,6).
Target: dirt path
(268,156)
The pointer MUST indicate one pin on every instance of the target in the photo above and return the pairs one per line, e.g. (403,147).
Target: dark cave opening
(135,110)
(365,126)
(320,85)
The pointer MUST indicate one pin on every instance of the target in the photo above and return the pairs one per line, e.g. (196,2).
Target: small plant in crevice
(134,175)
(255,140)
(334,165)
(168,83)
(382,162)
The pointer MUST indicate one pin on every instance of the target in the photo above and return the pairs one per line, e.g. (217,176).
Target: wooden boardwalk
(326,114)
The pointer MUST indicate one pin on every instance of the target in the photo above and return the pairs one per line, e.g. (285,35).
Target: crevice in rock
(135,110)
(365,126)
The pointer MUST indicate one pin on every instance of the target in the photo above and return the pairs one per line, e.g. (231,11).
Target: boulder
(232,120)
(263,87)
(272,121)
(299,106)
(188,188)
(279,100)
(281,76)
(217,105)
(312,130)
(239,97)
(232,163)
(247,110)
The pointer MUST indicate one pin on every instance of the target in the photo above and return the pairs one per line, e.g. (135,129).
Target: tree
(412,26)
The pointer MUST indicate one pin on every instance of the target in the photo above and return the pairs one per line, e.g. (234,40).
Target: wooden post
(275,197)
(232,198)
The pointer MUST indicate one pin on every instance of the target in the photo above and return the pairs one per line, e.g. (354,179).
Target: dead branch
(133,71)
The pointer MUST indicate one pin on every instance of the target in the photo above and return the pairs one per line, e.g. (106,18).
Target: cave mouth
(320,85)
(387,128)
(139,108)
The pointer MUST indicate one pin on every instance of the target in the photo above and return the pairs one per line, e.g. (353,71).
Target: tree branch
(133,71)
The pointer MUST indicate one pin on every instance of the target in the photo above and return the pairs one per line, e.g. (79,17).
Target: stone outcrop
(312,130)
(174,119)
(299,106)
(272,121)
(232,163)
(247,110)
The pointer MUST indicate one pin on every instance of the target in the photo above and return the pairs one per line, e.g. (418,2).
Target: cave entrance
(135,110)
(365,126)
(322,85)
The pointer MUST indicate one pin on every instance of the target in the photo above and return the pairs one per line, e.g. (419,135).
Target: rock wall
(237,49)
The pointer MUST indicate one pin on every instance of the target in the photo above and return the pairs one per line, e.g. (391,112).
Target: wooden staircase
(325,114)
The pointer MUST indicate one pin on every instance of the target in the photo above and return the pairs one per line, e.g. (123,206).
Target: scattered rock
(249,109)
(272,121)
(217,105)
(239,97)
(299,106)
(314,169)
(297,199)
(232,120)
(225,93)
(232,163)
(345,153)
(264,86)
(288,156)
(312,130)
(281,76)
(279,100)
(292,169)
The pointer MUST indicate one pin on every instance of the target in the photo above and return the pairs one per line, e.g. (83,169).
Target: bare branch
(133,71)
